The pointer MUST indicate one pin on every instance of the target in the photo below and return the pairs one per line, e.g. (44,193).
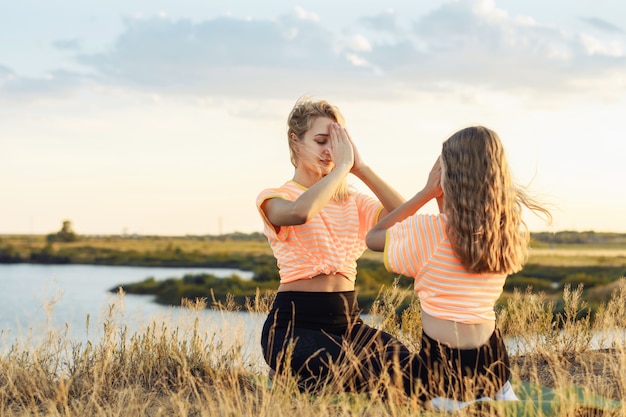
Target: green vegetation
(557,260)
(238,251)
(174,291)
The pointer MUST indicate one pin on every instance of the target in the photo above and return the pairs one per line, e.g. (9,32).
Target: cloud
(384,22)
(303,14)
(6,74)
(161,53)
(476,44)
(69,44)
(602,24)
(55,84)
(472,43)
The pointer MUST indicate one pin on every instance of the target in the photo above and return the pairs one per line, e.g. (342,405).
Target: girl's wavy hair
(482,203)
(300,120)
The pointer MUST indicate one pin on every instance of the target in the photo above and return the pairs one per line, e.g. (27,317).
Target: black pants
(321,339)
(464,374)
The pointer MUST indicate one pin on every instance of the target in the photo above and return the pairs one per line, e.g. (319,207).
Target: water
(75,300)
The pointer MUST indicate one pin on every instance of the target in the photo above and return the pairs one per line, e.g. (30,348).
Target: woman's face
(314,150)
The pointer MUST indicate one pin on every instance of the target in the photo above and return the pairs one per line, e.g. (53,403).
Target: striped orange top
(419,247)
(329,243)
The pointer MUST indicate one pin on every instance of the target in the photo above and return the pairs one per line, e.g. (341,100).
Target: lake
(36,299)
(75,299)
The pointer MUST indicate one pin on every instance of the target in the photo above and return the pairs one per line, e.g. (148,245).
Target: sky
(168,118)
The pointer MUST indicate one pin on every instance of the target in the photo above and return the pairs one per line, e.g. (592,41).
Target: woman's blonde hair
(301,119)
(483,205)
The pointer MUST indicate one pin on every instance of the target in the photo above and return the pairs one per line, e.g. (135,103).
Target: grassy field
(178,368)
(540,253)
(203,245)
(589,255)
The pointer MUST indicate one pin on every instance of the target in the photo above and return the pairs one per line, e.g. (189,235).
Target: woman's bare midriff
(319,283)
(457,335)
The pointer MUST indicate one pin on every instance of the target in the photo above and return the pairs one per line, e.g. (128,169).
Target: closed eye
(321,139)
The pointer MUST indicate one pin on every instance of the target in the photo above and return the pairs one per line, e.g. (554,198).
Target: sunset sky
(168,118)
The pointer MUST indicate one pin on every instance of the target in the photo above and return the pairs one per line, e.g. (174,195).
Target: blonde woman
(460,259)
(316,226)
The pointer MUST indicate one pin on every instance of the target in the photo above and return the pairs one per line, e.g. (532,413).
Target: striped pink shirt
(329,243)
(419,247)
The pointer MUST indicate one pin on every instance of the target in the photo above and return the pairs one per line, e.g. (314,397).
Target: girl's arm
(387,195)
(375,239)
(281,212)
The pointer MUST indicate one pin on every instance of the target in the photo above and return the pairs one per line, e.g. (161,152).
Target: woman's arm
(387,195)
(375,239)
(281,212)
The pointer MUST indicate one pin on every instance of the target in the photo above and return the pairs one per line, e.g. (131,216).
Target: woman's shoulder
(430,218)
(289,190)
(428,224)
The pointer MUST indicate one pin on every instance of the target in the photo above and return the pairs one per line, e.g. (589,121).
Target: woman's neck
(306,178)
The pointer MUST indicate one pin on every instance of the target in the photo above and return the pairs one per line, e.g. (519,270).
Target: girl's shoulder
(289,190)
(430,218)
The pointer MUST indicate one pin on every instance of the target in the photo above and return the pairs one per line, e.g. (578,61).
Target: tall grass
(180,368)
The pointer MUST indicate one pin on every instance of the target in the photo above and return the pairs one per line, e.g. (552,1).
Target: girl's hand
(433,185)
(359,165)
(342,152)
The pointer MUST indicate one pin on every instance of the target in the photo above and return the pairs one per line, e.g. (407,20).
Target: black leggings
(464,374)
(321,339)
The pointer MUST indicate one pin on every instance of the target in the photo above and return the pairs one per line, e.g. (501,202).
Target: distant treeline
(561,237)
(573,238)
(83,250)
(263,264)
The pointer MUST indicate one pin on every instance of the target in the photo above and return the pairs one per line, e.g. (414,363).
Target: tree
(66,234)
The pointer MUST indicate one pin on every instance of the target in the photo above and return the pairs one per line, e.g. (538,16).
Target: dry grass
(180,369)
(559,356)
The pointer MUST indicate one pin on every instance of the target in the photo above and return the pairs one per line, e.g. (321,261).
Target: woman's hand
(342,151)
(433,188)
(359,165)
